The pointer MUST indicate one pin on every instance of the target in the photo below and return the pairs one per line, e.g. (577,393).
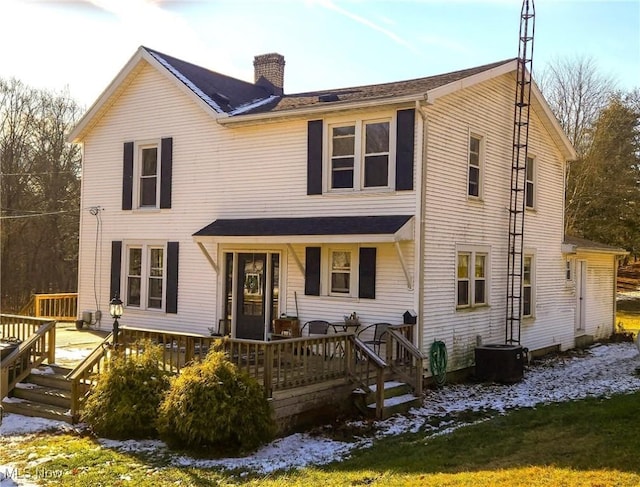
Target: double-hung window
(340,282)
(149,176)
(145,279)
(530,193)
(360,155)
(527,286)
(471,278)
(475,166)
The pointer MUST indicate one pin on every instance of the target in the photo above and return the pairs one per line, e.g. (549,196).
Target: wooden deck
(300,376)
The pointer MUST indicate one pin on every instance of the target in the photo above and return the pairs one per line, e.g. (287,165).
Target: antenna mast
(515,264)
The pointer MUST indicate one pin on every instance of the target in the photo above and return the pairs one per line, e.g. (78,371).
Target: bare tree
(39,193)
(577,92)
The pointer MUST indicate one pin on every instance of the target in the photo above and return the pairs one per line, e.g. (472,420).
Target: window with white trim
(145,279)
(361,155)
(528,276)
(472,278)
(530,188)
(474,187)
(340,282)
(148,176)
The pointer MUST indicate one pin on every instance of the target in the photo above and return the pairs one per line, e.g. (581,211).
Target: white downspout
(421,177)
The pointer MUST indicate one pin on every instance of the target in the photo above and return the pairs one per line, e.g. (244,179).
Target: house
(208,200)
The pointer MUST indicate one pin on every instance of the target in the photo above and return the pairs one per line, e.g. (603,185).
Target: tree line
(40,174)
(602,198)
(39,193)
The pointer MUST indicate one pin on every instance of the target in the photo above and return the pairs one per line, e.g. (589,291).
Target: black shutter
(367,280)
(116,268)
(405,136)
(127,176)
(172,277)
(314,157)
(312,271)
(166,168)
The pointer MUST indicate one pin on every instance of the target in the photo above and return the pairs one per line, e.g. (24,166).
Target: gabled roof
(232,101)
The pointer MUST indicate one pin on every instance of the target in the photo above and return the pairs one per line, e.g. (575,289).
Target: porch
(302,376)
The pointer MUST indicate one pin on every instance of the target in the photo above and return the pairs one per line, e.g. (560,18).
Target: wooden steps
(45,394)
(398,398)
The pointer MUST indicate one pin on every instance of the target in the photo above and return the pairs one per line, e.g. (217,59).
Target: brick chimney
(269,72)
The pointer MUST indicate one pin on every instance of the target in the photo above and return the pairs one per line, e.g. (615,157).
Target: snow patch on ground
(601,371)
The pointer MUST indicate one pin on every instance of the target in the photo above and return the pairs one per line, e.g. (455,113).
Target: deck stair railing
(38,343)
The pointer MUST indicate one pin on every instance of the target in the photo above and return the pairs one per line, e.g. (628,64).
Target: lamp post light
(115,310)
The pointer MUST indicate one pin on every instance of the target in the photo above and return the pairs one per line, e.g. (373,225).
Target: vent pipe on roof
(269,72)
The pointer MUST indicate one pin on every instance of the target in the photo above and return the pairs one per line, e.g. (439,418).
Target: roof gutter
(326,107)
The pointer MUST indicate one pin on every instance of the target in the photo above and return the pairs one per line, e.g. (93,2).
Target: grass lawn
(584,443)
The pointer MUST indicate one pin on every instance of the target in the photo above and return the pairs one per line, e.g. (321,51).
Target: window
(527,286)
(348,271)
(568,270)
(149,173)
(475,165)
(471,278)
(145,279)
(340,272)
(530,183)
(360,155)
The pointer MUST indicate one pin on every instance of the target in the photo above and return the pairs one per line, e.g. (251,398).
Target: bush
(124,404)
(212,405)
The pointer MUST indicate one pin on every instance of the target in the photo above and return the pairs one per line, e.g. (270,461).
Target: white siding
(452,219)
(218,172)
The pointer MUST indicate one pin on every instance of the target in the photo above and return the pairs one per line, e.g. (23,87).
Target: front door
(581,292)
(250,292)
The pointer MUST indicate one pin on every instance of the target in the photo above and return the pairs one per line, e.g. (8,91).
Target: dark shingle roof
(330,225)
(226,94)
(384,90)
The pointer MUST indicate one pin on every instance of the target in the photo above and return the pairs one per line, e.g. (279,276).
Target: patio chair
(316,327)
(379,335)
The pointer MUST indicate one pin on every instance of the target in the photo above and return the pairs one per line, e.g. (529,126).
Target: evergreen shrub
(212,405)
(124,403)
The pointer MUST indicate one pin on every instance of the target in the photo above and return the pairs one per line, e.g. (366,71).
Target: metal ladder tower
(522,105)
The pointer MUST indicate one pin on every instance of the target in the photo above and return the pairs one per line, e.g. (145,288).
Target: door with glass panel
(255,283)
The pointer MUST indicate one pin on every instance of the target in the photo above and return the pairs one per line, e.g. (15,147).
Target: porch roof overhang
(312,229)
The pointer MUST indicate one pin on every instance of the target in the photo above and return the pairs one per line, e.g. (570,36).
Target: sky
(81,45)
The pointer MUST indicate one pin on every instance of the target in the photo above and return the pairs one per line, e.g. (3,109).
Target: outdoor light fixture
(115,310)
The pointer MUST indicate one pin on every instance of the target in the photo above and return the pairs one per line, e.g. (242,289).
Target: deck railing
(83,377)
(294,362)
(277,364)
(404,359)
(58,306)
(38,343)
(367,368)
